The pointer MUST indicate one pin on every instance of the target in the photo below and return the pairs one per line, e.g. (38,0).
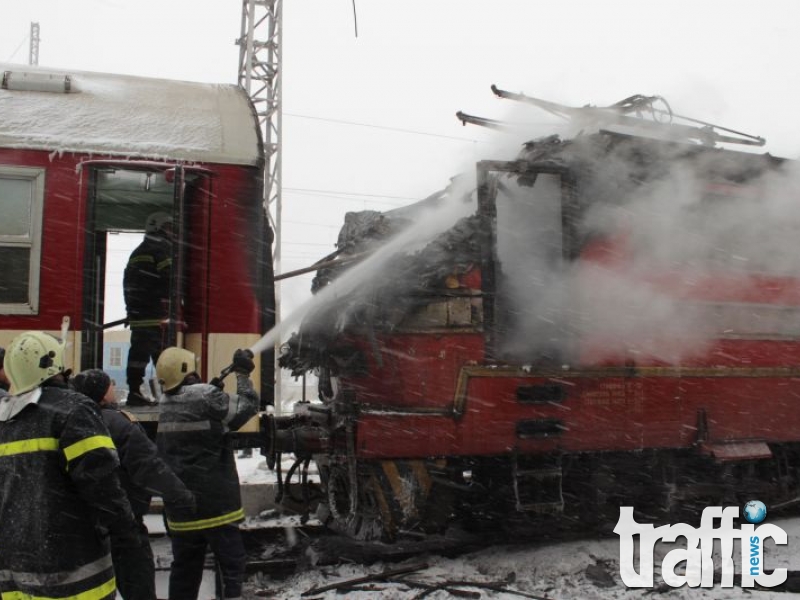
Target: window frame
(36,177)
(115,356)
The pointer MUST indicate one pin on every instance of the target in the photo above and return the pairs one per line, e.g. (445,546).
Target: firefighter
(143,474)
(61,495)
(4,383)
(194,419)
(146,286)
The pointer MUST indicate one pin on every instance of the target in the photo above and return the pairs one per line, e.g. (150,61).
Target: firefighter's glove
(183,506)
(217,383)
(128,536)
(243,362)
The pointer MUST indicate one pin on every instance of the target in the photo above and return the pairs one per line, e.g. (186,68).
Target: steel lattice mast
(33,45)
(260,75)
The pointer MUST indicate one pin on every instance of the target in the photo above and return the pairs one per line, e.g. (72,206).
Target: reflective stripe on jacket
(92,580)
(191,438)
(145,282)
(59,493)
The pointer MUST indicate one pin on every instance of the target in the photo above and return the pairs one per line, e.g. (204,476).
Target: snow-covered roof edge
(128,116)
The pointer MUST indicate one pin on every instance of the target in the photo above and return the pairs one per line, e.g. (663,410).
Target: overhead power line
(371,126)
(327,225)
(13,54)
(333,192)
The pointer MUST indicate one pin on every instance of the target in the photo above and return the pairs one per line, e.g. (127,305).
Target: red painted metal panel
(598,414)
(415,370)
(60,284)
(741,388)
(233,268)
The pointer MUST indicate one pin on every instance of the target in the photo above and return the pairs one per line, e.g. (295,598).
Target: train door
(121,196)
(523,271)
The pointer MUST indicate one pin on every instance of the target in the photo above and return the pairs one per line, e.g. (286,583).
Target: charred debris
(617,149)
(402,283)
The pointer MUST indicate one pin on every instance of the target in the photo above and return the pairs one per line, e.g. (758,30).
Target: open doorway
(120,201)
(116,336)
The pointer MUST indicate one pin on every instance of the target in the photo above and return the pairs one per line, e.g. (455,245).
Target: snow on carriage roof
(128,116)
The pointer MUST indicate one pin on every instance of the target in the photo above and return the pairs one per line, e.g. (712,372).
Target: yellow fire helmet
(32,358)
(173,365)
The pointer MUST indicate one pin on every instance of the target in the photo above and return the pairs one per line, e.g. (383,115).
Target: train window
(115,356)
(21,195)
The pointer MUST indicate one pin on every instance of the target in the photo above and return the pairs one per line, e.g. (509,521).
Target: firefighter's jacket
(145,282)
(191,438)
(144,473)
(59,497)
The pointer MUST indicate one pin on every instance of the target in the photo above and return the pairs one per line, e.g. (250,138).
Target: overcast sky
(369,120)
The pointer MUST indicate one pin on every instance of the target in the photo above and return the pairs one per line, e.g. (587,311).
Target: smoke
(657,253)
(663,263)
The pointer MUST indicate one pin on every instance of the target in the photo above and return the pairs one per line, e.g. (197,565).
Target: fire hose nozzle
(218,380)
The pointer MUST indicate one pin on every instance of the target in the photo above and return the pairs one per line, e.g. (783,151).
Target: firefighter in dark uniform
(194,419)
(60,494)
(146,287)
(143,474)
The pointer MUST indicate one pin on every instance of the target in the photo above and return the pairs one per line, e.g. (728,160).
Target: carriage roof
(122,115)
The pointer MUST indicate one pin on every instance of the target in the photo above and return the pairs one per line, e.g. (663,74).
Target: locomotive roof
(128,116)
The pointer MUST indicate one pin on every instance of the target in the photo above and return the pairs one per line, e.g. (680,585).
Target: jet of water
(426,227)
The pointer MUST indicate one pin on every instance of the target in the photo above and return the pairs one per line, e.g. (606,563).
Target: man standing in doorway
(146,285)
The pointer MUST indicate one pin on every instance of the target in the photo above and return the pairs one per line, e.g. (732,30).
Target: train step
(538,490)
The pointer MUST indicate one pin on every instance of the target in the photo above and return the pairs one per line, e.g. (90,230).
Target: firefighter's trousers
(189,552)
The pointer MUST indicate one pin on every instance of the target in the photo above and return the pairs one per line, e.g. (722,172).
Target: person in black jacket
(194,420)
(146,285)
(61,494)
(143,474)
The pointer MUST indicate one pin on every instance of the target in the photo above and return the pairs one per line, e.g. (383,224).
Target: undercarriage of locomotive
(390,499)
(387,499)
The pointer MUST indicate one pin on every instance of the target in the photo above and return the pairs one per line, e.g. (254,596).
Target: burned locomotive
(609,319)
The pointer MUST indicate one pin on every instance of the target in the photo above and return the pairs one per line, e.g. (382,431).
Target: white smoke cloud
(665,268)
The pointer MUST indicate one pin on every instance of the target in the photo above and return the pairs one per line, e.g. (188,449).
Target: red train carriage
(83,155)
(615,319)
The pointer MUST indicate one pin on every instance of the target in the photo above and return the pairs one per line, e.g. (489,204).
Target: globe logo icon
(755,511)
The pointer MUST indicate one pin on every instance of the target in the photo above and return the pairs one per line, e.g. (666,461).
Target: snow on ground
(254,469)
(587,570)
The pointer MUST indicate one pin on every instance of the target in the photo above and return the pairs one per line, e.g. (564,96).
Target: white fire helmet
(32,358)
(157,222)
